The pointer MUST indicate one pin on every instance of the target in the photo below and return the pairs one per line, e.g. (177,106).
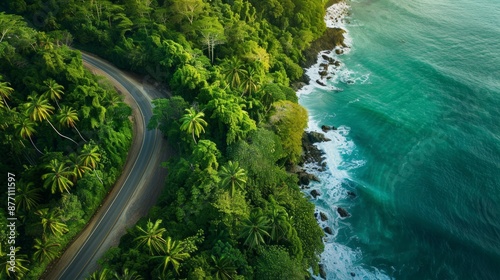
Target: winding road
(135,191)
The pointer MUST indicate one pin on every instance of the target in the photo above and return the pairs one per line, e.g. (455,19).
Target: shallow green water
(421,107)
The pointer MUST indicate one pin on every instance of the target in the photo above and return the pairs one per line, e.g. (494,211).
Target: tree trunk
(32,143)
(58,133)
(74,126)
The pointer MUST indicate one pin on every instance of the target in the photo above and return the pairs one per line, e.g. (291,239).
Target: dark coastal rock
(315,193)
(351,194)
(353,274)
(339,51)
(342,212)
(316,137)
(320,83)
(327,128)
(322,272)
(311,153)
(322,73)
(323,65)
(323,216)
(305,178)
(328,230)
(329,77)
(325,57)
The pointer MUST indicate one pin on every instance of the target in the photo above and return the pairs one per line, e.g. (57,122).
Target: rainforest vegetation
(230,208)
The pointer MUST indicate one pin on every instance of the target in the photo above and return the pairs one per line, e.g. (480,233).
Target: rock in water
(328,230)
(316,137)
(322,272)
(351,194)
(315,193)
(323,216)
(327,128)
(342,212)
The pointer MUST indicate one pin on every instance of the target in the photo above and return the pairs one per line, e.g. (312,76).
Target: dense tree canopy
(230,208)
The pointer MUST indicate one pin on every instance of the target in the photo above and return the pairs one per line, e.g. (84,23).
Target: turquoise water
(419,141)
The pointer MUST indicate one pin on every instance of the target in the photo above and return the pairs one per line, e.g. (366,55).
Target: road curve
(135,191)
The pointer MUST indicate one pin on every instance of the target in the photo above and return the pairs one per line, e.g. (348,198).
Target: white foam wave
(340,261)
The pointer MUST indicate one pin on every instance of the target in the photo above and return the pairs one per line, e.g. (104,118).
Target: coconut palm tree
(26,128)
(193,122)
(76,165)
(39,109)
(126,275)
(233,71)
(254,229)
(250,83)
(45,250)
(19,268)
(5,91)
(279,221)
(50,220)
(100,275)
(27,196)
(223,268)
(67,116)
(151,236)
(232,176)
(53,91)
(90,158)
(174,252)
(58,177)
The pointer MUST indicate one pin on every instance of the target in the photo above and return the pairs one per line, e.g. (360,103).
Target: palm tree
(27,197)
(232,176)
(99,275)
(19,268)
(90,157)
(250,83)
(26,128)
(53,90)
(223,268)
(76,166)
(67,116)
(193,122)
(279,221)
(151,236)
(50,220)
(127,275)
(58,177)
(5,91)
(254,229)
(39,109)
(45,250)
(233,71)
(174,253)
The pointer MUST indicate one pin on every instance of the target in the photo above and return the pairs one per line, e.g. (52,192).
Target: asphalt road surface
(135,191)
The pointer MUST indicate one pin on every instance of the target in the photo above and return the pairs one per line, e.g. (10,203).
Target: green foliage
(229,65)
(274,263)
(289,121)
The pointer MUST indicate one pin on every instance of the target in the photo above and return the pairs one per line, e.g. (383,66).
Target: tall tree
(5,91)
(76,165)
(68,116)
(232,177)
(45,250)
(233,71)
(151,236)
(90,157)
(39,109)
(223,268)
(174,252)
(58,177)
(53,90)
(127,274)
(19,268)
(254,229)
(26,128)
(193,123)
(51,220)
(27,196)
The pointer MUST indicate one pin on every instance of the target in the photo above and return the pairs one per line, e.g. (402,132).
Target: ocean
(416,104)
